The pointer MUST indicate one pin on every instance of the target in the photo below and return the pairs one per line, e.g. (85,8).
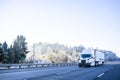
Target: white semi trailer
(91,57)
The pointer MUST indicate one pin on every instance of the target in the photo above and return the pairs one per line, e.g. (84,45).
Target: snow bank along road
(109,71)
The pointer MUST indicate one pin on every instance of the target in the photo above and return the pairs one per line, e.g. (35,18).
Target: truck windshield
(85,55)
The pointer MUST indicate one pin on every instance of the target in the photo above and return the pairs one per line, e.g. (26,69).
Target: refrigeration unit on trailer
(91,57)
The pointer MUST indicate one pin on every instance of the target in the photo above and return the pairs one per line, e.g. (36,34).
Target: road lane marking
(100,75)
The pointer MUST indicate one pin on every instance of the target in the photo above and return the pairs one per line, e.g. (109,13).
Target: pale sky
(91,23)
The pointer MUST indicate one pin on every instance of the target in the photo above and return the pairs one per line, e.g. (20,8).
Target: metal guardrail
(23,66)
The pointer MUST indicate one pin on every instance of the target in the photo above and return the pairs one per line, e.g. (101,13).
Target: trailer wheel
(96,63)
(102,63)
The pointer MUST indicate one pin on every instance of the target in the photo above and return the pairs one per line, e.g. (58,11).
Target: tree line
(53,53)
(16,52)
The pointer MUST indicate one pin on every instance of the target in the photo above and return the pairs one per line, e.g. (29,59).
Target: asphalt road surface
(109,71)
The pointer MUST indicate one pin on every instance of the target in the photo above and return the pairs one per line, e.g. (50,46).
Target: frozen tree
(75,56)
(51,55)
(62,56)
(79,48)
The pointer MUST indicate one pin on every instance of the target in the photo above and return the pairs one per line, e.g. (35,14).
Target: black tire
(102,63)
(96,63)
(79,65)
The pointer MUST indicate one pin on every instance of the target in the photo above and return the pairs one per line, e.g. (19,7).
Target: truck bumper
(85,64)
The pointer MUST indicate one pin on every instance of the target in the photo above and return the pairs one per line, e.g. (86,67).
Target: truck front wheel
(79,65)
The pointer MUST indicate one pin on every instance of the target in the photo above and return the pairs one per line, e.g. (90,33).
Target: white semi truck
(91,57)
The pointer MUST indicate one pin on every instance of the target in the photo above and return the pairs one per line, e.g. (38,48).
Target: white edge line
(100,75)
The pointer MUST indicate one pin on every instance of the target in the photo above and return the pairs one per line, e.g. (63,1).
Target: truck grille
(83,62)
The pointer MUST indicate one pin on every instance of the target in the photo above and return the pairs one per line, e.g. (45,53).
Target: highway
(109,71)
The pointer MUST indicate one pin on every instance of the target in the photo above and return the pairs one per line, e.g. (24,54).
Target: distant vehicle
(91,57)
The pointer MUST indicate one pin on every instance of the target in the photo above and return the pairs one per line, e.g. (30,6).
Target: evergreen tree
(1,53)
(20,48)
(11,54)
(5,52)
